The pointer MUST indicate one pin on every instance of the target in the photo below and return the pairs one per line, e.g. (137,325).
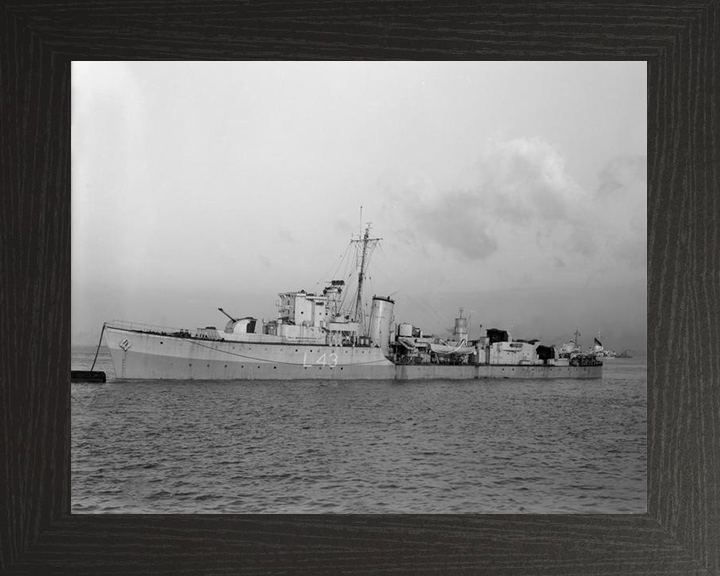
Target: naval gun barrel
(228,315)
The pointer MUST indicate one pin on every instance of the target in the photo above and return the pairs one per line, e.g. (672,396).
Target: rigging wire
(417,300)
(346,276)
(345,254)
(324,278)
(363,256)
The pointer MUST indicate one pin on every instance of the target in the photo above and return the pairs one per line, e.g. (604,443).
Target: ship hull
(145,356)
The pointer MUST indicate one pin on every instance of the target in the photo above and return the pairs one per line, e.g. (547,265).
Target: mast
(577,335)
(367,245)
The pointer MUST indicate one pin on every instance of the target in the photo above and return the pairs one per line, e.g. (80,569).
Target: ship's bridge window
(516,345)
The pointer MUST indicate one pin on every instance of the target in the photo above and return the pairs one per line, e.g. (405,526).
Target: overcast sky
(515,190)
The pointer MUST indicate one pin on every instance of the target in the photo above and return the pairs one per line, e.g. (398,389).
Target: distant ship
(315,337)
(599,351)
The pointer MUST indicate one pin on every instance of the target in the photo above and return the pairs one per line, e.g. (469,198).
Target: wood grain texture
(680,533)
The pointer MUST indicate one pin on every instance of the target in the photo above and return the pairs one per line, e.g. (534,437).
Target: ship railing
(152,328)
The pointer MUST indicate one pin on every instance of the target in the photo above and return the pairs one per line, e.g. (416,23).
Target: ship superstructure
(315,337)
(599,351)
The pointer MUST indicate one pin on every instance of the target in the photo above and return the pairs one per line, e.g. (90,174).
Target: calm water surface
(497,446)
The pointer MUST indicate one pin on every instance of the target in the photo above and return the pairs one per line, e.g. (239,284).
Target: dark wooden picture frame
(680,532)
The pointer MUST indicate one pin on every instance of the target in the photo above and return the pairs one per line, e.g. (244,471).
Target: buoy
(87,376)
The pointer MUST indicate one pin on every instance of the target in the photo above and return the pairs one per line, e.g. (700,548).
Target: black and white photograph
(359,287)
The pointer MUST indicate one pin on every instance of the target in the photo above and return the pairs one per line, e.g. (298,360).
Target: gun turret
(228,315)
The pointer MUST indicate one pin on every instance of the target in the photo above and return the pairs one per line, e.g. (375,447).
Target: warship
(316,337)
(599,351)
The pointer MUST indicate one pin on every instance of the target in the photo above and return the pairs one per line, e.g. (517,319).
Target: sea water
(492,446)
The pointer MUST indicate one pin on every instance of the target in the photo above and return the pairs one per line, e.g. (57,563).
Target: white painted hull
(147,356)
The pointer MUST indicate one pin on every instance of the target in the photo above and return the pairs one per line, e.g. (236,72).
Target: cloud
(525,179)
(454,221)
(622,173)
(623,194)
(523,206)
(521,186)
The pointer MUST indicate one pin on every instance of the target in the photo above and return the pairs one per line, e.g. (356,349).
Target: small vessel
(599,351)
(314,336)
